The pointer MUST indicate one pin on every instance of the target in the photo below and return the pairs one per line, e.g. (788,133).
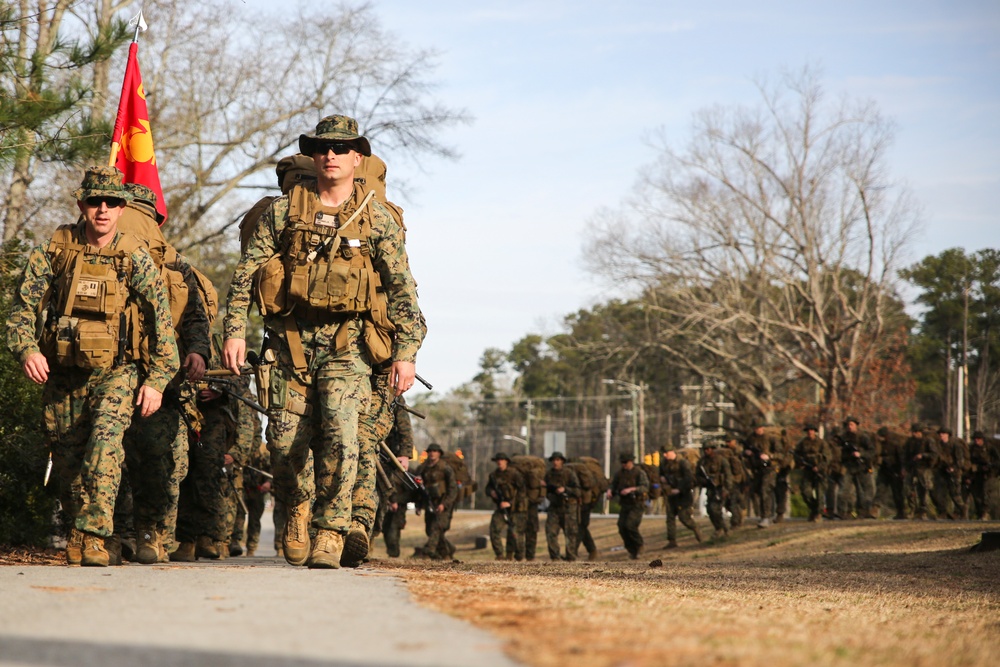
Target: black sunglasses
(337,148)
(112,202)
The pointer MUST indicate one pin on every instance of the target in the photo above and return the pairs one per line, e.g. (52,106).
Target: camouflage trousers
(392,527)
(714,507)
(765,481)
(566,519)
(182,465)
(857,492)
(86,416)
(233,502)
(629,520)
(679,507)
(338,395)
(149,454)
(513,531)
(280,517)
(583,530)
(436,524)
(921,485)
(813,489)
(248,516)
(373,427)
(736,504)
(531,528)
(948,487)
(202,506)
(781,489)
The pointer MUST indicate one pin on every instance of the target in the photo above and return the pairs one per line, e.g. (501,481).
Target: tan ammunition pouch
(94,311)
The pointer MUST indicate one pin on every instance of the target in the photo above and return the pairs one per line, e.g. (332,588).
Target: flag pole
(140,26)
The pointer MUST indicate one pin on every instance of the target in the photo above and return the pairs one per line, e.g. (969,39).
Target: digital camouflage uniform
(984,462)
(245,445)
(736,501)
(632,506)
(392,522)
(678,481)
(338,381)
(563,513)
(507,485)
(892,470)
(714,475)
(442,489)
(87,411)
(857,488)
(834,476)
(952,464)
(921,456)
(254,496)
(765,473)
(812,459)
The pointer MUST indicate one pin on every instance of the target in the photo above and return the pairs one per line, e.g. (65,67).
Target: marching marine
(106,351)
(507,489)
(631,485)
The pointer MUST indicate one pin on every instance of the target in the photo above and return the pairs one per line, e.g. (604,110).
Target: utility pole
(637,392)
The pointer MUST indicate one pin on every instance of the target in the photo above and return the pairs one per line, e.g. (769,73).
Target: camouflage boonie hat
(557,455)
(144,199)
(332,129)
(294,169)
(625,457)
(978,435)
(434,447)
(102,182)
(500,456)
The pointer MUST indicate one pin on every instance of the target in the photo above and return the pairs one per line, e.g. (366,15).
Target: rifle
(500,497)
(396,404)
(387,459)
(848,451)
(713,489)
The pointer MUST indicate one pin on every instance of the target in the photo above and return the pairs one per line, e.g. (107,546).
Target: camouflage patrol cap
(102,182)
(434,447)
(334,129)
(500,456)
(294,169)
(144,199)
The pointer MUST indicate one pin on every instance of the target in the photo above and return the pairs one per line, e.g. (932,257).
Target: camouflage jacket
(38,284)
(567,479)
(954,454)
(439,480)
(714,472)
(509,485)
(193,335)
(923,447)
(812,453)
(388,258)
(765,444)
(624,479)
(677,474)
(863,445)
(984,459)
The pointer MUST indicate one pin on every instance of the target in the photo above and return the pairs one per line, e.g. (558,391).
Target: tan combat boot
(94,553)
(74,547)
(164,553)
(222,546)
(326,551)
(148,549)
(355,545)
(296,539)
(205,548)
(185,553)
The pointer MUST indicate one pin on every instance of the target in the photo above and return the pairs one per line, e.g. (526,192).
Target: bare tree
(231,90)
(766,248)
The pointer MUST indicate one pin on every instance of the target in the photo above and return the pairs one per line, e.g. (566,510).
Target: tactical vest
(324,269)
(95,325)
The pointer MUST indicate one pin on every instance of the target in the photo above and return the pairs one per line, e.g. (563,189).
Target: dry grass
(850,593)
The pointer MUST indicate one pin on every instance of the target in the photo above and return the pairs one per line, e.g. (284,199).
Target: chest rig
(92,322)
(327,260)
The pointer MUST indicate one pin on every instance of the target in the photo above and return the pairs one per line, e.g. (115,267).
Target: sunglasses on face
(337,148)
(112,202)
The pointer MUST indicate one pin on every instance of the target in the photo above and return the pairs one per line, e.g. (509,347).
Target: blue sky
(566,94)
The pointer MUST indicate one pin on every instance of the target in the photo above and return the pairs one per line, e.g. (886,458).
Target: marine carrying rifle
(501,498)
(388,460)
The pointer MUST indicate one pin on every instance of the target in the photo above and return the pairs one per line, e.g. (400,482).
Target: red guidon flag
(132,141)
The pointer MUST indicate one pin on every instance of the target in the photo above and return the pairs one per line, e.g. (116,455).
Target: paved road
(239,612)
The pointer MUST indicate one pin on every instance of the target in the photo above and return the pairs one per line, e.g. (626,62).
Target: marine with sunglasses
(91,322)
(327,267)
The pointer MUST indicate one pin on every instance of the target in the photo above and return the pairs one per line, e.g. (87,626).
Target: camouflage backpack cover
(533,469)
(466,485)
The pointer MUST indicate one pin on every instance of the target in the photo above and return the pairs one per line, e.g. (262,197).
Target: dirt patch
(30,556)
(857,593)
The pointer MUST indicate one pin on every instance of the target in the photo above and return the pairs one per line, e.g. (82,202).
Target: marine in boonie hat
(434,447)
(145,199)
(500,456)
(625,457)
(102,182)
(557,455)
(331,130)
